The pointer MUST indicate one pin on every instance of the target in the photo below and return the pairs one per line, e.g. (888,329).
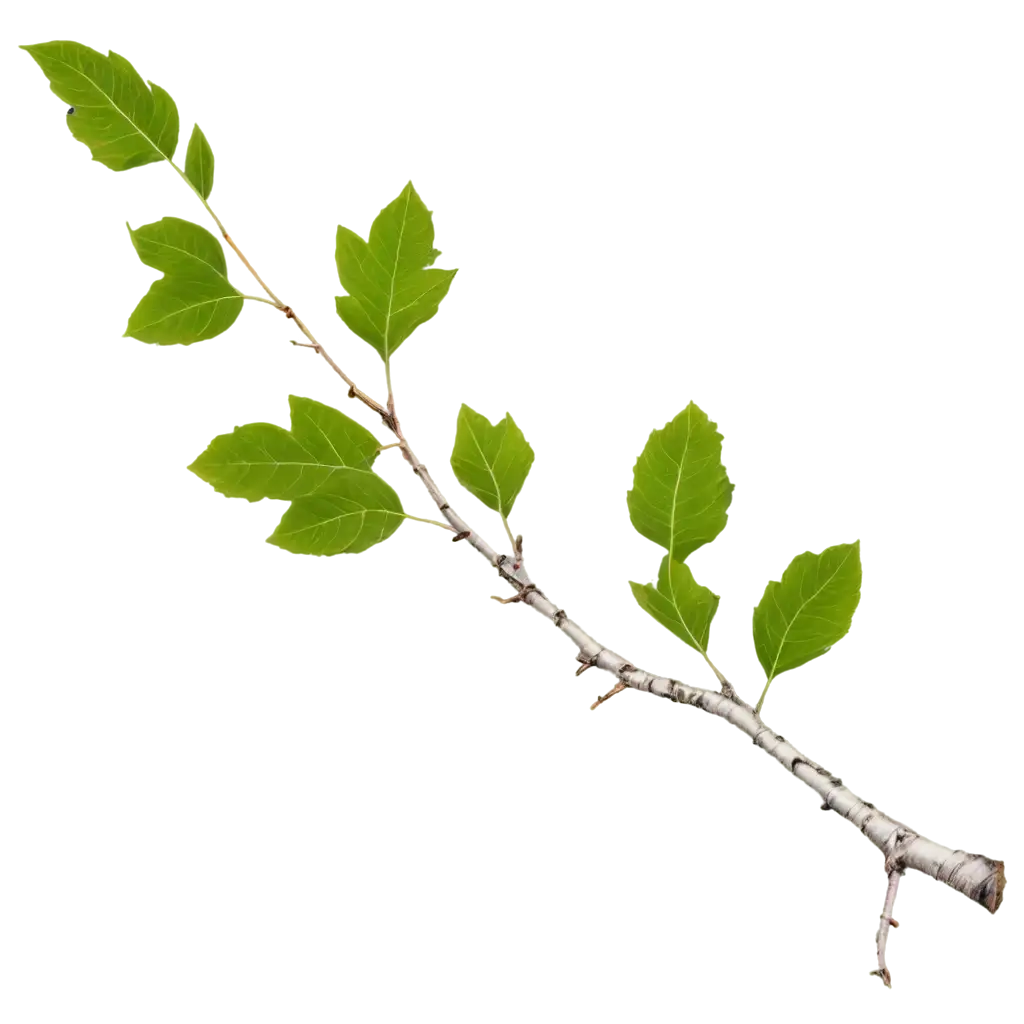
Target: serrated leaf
(194,300)
(122,122)
(359,511)
(199,163)
(679,603)
(811,608)
(680,489)
(263,460)
(390,291)
(491,460)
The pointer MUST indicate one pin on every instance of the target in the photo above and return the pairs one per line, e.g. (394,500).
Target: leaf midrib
(682,621)
(675,490)
(186,309)
(486,464)
(394,275)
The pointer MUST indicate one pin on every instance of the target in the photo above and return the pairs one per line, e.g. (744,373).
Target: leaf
(680,488)
(122,122)
(359,511)
(199,163)
(255,462)
(491,462)
(181,248)
(679,603)
(800,617)
(263,460)
(194,300)
(390,293)
(330,435)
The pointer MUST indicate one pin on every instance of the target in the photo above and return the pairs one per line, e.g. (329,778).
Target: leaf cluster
(323,464)
(129,123)
(679,500)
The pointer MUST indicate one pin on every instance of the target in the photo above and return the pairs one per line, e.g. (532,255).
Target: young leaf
(491,462)
(800,617)
(194,299)
(199,163)
(680,489)
(679,603)
(122,122)
(360,510)
(390,293)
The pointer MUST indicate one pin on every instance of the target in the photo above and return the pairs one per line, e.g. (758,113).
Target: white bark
(978,877)
(886,921)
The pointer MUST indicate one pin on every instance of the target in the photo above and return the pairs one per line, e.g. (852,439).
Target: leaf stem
(259,298)
(433,522)
(510,534)
(764,692)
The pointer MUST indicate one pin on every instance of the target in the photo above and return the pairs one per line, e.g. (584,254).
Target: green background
(237,786)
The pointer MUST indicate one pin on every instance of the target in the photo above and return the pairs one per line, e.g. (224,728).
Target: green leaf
(679,603)
(359,511)
(491,462)
(680,489)
(194,299)
(390,293)
(255,462)
(331,435)
(800,617)
(199,163)
(122,122)
(177,248)
(263,460)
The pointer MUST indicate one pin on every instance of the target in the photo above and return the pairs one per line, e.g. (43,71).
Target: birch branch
(75,71)
(978,879)
(976,876)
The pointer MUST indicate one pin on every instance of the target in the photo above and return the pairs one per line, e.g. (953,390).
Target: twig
(887,921)
(978,877)
(617,688)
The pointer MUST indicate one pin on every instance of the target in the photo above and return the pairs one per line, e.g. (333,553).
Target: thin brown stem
(387,414)
(249,266)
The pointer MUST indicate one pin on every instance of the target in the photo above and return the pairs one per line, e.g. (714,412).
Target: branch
(887,923)
(979,880)
(976,876)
